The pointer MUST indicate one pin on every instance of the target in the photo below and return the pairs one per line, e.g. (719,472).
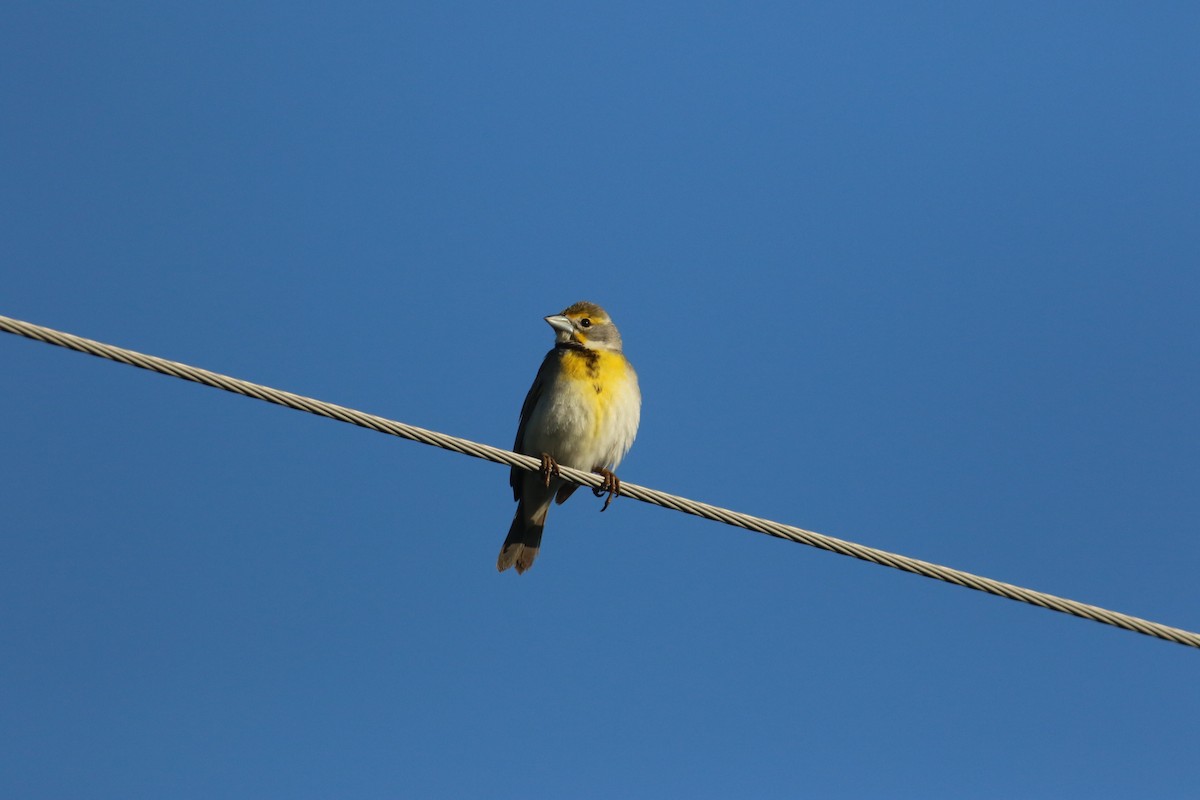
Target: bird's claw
(610,485)
(549,468)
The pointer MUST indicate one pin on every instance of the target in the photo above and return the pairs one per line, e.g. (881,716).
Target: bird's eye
(585,323)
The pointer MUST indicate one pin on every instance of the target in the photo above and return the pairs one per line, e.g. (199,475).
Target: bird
(582,411)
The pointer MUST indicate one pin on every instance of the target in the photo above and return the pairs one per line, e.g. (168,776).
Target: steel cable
(500,456)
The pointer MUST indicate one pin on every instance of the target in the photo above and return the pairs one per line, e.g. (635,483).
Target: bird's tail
(524,538)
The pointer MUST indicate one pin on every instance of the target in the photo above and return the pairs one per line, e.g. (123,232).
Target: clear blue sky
(923,276)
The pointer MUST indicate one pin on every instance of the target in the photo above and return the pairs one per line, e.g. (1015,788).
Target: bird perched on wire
(582,411)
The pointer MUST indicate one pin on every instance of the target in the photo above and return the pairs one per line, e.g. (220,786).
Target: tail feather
(521,546)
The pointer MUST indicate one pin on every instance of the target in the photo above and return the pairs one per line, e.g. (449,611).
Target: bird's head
(585,324)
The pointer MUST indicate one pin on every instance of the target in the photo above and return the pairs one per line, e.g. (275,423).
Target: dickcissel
(582,411)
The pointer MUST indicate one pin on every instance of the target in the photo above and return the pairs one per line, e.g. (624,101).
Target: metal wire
(467,447)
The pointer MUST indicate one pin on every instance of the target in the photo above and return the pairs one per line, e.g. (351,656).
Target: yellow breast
(605,372)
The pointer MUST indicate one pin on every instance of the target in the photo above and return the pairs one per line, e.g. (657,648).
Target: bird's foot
(611,484)
(549,468)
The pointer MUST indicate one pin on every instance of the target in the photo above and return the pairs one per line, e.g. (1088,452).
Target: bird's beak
(560,323)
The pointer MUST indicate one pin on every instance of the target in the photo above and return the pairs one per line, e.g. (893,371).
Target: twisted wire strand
(645,494)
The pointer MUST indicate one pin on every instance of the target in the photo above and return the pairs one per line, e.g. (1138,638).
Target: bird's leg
(611,484)
(549,468)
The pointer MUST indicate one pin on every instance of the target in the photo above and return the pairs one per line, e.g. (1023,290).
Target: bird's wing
(565,491)
(531,400)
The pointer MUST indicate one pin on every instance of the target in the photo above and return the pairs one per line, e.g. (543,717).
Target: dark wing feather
(565,491)
(531,399)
